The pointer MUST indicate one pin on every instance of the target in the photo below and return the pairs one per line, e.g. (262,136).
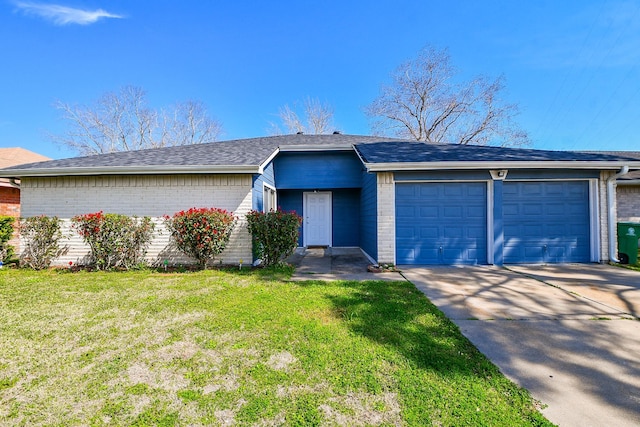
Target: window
(269,199)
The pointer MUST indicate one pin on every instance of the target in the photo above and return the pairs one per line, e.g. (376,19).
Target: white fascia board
(267,161)
(415,166)
(126,170)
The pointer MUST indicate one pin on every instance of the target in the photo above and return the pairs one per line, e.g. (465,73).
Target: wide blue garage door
(546,222)
(441,223)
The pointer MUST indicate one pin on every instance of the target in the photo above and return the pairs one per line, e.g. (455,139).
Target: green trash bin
(628,235)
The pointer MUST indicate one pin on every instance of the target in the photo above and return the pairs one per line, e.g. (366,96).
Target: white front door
(317,219)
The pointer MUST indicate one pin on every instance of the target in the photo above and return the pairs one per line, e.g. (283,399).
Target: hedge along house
(401,202)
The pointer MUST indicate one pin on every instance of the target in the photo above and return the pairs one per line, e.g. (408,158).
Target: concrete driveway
(568,333)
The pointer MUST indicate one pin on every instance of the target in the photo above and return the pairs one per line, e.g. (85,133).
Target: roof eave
(415,166)
(129,170)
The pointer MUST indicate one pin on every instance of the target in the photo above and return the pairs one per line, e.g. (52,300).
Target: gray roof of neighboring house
(377,153)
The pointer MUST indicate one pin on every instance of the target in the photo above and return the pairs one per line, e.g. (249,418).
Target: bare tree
(317,118)
(424,103)
(122,121)
(188,123)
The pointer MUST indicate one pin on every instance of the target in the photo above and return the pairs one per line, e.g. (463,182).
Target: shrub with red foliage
(201,233)
(275,234)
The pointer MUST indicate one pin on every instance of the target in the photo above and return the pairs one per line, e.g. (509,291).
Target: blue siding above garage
(318,170)
(441,223)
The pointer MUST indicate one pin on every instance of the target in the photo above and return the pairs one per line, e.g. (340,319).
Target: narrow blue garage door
(546,222)
(441,223)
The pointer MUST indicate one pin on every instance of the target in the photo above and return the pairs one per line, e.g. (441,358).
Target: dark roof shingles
(255,151)
(418,152)
(242,152)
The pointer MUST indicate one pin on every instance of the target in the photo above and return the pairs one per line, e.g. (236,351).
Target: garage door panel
(560,232)
(557,209)
(454,212)
(405,211)
(450,227)
(476,232)
(531,209)
(405,191)
(428,211)
(510,209)
(425,191)
(531,189)
(429,232)
(476,212)
(456,232)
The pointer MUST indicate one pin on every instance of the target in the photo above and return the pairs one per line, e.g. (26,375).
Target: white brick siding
(628,204)
(386,219)
(142,195)
(604,216)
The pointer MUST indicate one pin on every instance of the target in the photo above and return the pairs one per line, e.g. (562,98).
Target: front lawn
(218,348)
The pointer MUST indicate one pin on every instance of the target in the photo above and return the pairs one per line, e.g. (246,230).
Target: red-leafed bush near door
(275,234)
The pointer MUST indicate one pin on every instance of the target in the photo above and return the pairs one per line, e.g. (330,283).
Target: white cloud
(64,15)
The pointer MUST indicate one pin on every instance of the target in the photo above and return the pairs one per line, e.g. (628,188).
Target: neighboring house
(401,202)
(10,188)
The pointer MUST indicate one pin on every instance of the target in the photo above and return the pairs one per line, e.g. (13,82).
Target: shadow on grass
(398,316)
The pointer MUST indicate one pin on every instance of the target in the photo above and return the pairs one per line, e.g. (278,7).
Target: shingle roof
(248,155)
(417,152)
(250,152)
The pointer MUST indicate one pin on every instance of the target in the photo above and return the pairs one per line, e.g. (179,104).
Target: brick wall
(142,195)
(628,203)
(386,219)
(10,201)
(10,206)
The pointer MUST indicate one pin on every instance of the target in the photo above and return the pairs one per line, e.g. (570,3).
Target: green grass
(215,348)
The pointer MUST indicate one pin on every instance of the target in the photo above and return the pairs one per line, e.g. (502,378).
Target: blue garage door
(546,222)
(441,223)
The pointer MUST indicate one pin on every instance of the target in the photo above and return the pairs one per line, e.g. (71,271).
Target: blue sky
(572,66)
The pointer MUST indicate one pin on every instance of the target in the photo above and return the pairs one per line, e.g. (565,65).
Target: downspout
(610,200)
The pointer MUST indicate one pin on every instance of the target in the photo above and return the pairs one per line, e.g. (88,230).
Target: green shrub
(201,233)
(275,234)
(41,236)
(6,233)
(116,241)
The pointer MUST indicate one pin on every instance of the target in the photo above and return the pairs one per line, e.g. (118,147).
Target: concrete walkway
(335,264)
(578,354)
